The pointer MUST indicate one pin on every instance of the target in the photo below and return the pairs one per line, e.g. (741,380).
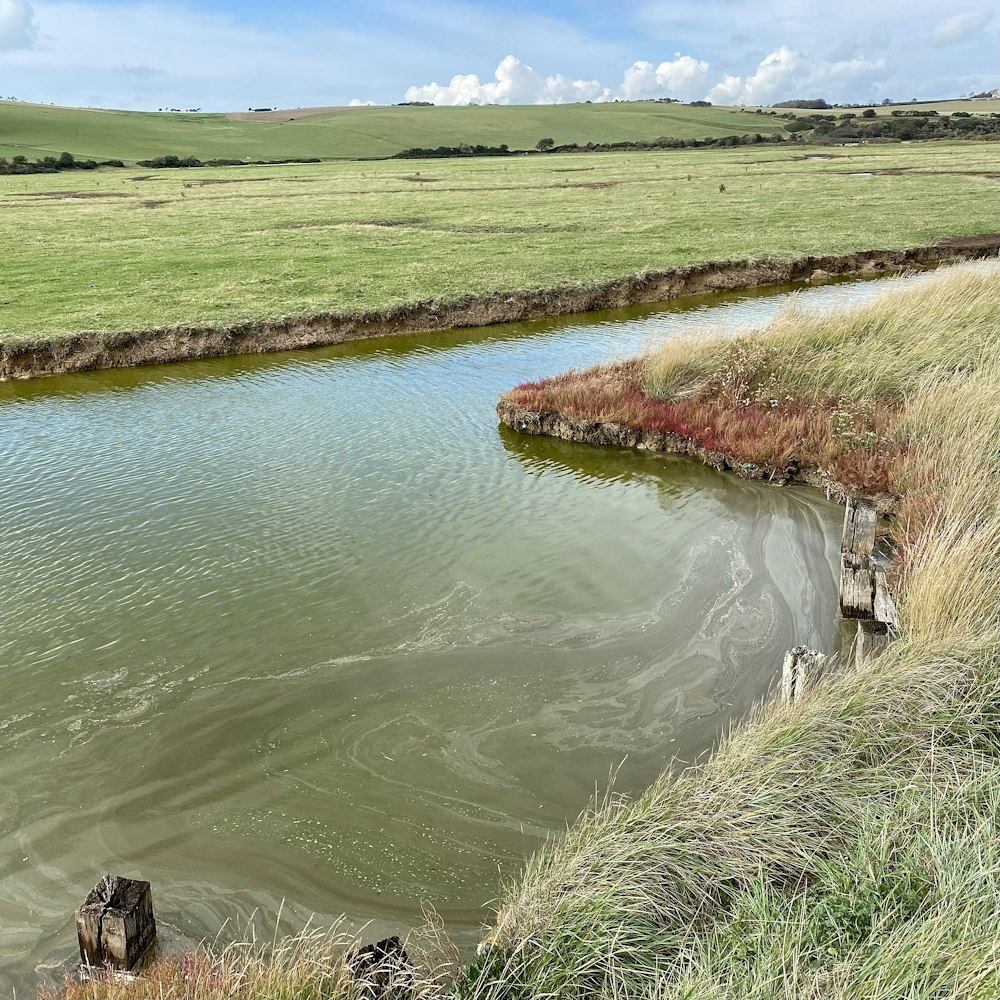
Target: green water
(312,628)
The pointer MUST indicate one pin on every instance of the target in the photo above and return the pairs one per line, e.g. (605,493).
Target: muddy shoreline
(96,350)
(554,424)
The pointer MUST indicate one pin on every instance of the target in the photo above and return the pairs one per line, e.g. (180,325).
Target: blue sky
(224,55)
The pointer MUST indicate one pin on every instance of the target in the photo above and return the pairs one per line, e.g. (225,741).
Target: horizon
(985,95)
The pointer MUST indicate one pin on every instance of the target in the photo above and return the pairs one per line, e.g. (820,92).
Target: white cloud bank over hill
(684,78)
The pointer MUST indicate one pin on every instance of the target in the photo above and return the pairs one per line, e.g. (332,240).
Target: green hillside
(353,133)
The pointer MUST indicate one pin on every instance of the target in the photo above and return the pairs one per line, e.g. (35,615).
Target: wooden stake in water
(115,923)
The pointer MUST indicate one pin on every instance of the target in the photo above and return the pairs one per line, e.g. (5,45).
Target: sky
(225,55)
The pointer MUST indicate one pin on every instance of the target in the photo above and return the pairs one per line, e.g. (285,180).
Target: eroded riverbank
(95,350)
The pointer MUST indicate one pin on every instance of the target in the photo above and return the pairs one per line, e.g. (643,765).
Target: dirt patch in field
(991,175)
(143,177)
(363,223)
(156,202)
(419,179)
(572,170)
(71,195)
(491,230)
(231,180)
(93,350)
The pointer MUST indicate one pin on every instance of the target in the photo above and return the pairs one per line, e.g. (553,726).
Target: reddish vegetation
(853,447)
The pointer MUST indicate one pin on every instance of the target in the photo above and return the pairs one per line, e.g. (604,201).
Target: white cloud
(727,91)
(17,25)
(513,83)
(683,78)
(781,74)
(785,74)
(960,27)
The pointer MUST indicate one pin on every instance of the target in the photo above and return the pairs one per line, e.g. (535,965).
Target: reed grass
(311,965)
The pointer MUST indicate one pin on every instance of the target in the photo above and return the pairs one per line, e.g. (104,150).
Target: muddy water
(312,628)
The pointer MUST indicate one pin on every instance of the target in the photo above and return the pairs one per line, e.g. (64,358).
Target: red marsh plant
(828,392)
(738,416)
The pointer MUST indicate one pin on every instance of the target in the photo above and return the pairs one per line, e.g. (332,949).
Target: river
(311,628)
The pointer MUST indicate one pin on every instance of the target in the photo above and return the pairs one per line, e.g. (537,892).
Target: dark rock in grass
(384,970)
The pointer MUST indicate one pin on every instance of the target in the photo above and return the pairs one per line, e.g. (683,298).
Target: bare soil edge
(95,350)
(554,424)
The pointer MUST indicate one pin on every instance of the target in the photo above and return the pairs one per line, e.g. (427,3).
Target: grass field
(119,250)
(350,133)
(980,107)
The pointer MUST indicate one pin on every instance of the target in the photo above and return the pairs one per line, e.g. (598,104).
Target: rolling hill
(352,133)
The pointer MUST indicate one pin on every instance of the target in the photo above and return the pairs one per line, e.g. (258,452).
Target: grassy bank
(844,847)
(122,251)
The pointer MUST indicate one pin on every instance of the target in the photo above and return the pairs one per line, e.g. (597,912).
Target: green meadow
(352,133)
(118,250)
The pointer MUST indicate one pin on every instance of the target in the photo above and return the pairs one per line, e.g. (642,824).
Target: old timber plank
(884,606)
(802,669)
(873,638)
(857,571)
(115,924)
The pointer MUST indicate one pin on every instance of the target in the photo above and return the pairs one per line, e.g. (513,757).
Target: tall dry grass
(312,965)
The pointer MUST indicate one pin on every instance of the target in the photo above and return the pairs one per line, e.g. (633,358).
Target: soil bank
(51,355)
(554,424)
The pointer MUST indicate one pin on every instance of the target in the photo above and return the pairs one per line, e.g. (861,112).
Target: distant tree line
(547,145)
(899,125)
(169,161)
(52,164)
(418,153)
(812,102)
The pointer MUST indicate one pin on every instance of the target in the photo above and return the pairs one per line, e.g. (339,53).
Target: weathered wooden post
(383,970)
(884,606)
(857,573)
(873,637)
(802,669)
(115,923)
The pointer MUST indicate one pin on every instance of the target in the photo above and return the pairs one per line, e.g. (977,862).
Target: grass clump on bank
(315,964)
(845,847)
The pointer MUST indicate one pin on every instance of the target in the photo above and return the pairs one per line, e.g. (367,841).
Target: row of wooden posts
(864,597)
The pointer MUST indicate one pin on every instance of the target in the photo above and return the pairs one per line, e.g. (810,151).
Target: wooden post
(873,638)
(115,923)
(884,606)
(383,970)
(802,669)
(857,574)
